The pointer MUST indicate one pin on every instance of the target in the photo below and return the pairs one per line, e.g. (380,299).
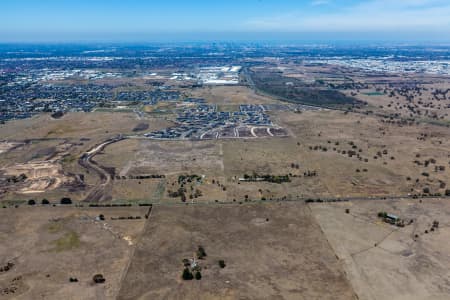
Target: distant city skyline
(176,20)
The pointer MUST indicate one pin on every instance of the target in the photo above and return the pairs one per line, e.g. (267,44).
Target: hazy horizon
(175,20)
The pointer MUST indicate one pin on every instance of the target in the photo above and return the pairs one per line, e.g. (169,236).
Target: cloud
(320,2)
(374,15)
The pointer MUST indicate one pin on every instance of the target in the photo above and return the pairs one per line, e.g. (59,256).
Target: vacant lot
(231,95)
(46,150)
(162,157)
(271,252)
(48,246)
(380,259)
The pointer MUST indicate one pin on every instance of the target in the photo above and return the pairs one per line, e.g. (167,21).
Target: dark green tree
(187,274)
(198,275)
(222,263)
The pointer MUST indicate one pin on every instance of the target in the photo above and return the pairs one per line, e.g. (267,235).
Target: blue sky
(66,20)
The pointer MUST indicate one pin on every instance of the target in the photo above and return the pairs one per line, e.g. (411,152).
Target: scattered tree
(222,264)
(201,253)
(187,274)
(98,278)
(66,201)
(198,275)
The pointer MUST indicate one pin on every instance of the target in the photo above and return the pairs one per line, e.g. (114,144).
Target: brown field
(49,245)
(382,259)
(388,159)
(319,141)
(47,151)
(231,95)
(162,157)
(271,251)
(138,190)
(427,107)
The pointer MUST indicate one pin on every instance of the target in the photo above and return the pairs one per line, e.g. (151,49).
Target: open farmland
(328,154)
(225,172)
(407,263)
(258,244)
(46,246)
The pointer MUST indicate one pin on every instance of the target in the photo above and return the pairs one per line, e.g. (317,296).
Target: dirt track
(98,193)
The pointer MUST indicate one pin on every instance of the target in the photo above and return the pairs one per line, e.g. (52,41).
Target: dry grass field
(49,245)
(273,251)
(227,196)
(231,95)
(353,156)
(162,157)
(422,97)
(381,259)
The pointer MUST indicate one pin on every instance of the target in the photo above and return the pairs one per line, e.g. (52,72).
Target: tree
(382,214)
(31,202)
(187,274)
(222,264)
(198,275)
(186,262)
(45,202)
(66,201)
(201,253)
(98,278)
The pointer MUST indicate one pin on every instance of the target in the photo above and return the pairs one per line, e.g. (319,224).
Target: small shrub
(201,253)
(186,262)
(222,264)
(382,214)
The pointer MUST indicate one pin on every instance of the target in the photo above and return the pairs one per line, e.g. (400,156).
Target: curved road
(99,192)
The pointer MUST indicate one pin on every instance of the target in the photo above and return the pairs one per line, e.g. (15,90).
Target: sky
(189,20)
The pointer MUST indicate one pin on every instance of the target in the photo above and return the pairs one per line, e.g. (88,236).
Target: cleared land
(46,151)
(380,259)
(231,95)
